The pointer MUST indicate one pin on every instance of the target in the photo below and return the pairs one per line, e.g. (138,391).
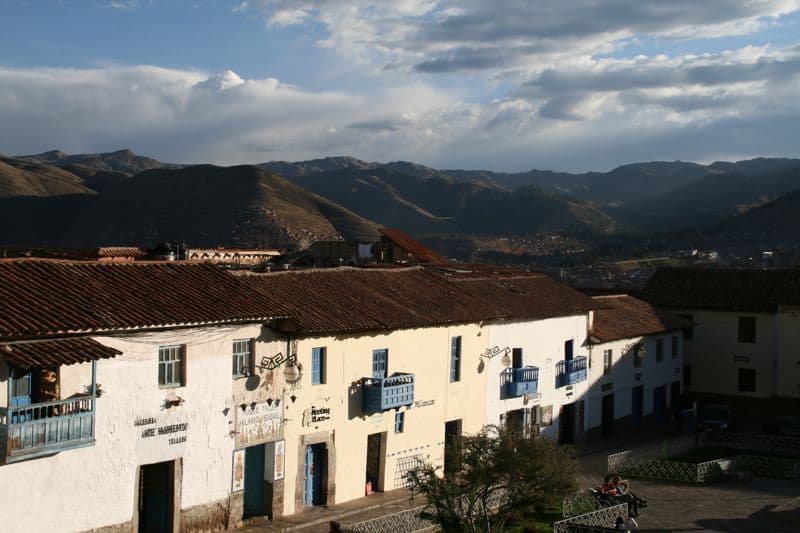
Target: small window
(659,350)
(638,355)
(747,329)
(688,331)
(455,359)
(675,346)
(747,380)
(687,376)
(318,366)
(380,363)
(399,422)
(242,358)
(607,357)
(568,349)
(170,366)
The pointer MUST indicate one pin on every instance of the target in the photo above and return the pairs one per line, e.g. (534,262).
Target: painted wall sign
(535,398)
(424,403)
(258,423)
(167,429)
(314,415)
(494,351)
(741,358)
(238,471)
(271,363)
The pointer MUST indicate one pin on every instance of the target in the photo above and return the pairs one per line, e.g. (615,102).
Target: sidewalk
(317,519)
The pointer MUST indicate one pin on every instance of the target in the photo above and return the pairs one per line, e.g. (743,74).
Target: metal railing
(599,520)
(520,381)
(49,427)
(396,390)
(571,371)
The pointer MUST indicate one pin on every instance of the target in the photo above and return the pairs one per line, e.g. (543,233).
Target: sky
(507,85)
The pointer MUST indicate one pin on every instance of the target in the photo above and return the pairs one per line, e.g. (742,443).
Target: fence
(651,462)
(582,502)
(599,520)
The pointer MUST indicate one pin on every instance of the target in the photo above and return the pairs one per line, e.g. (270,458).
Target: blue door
(254,481)
(21,384)
(315,471)
(380,360)
(637,405)
(660,404)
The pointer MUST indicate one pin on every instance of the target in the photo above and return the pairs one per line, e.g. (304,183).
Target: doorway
(566,424)
(675,398)
(637,406)
(374,462)
(660,404)
(315,475)
(452,435)
(156,503)
(607,415)
(254,481)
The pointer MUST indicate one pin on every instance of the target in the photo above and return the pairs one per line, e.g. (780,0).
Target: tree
(504,476)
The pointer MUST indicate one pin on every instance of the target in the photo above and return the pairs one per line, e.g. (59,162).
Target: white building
(742,346)
(636,360)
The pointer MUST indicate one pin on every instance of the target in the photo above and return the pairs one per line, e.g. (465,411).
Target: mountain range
(123,198)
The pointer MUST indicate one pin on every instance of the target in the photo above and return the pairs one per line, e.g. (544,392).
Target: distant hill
(121,161)
(421,200)
(19,177)
(205,205)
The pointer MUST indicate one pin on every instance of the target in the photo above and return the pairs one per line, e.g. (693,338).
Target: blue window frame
(455,359)
(317,366)
(380,363)
(242,358)
(399,422)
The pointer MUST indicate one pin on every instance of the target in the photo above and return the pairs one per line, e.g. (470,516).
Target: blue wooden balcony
(46,428)
(520,381)
(571,372)
(381,394)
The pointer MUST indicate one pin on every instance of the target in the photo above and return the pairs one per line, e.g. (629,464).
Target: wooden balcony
(381,394)
(46,428)
(571,371)
(520,381)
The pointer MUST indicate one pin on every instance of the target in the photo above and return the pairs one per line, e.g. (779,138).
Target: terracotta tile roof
(43,354)
(47,297)
(350,299)
(422,253)
(625,317)
(723,289)
(339,300)
(523,296)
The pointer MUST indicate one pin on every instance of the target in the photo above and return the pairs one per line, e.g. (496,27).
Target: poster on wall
(547,415)
(238,471)
(280,453)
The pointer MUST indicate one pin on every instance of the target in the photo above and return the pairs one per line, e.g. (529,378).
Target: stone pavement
(760,504)
(317,519)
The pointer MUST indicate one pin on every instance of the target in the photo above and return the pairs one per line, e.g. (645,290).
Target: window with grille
(399,422)
(318,366)
(170,366)
(688,331)
(747,380)
(659,350)
(607,356)
(455,359)
(675,346)
(242,358)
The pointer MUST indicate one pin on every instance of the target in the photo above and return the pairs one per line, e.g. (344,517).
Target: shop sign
(258,423)
(314,415)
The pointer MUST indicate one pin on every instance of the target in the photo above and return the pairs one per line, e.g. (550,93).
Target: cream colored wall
(715,344)
(788,348)
(424,352)
(542,343)
(91,487)
(651,374)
